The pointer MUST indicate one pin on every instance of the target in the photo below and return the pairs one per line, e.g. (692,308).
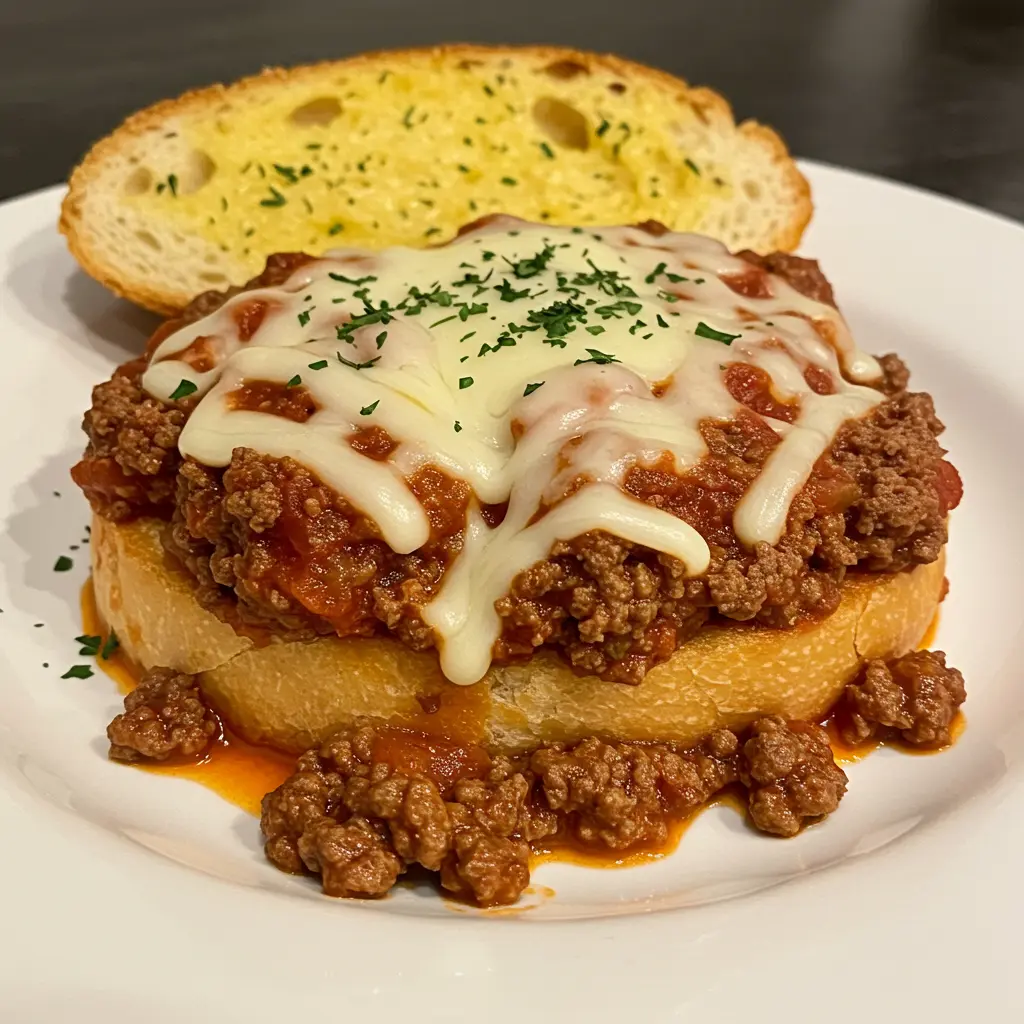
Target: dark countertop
(926,91)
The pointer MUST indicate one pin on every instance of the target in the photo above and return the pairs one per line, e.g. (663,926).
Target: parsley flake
(183,390)
(111,645)
(304,316)
(320,364)
(703,331)
(693,167)
(368,409)
(458,426)
(547,151)
(276,200)
(465,382)
(63,564)
(78,672)
(294,382)
(530,388)
(597,356)
(509,181)
(357,366)
(90,644)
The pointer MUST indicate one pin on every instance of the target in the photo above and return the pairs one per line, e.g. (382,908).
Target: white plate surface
(123,893)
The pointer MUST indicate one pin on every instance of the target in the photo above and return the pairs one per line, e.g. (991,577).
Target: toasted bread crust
(162,297)
(291,695)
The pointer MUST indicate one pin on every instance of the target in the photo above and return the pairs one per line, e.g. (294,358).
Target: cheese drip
(524,360)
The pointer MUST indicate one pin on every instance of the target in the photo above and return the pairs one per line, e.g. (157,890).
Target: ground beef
(348,815)
(623,795)
(474,832)
(163,716)
(132,455)
(899,517)
(915,697)
(804,275)
(791,775)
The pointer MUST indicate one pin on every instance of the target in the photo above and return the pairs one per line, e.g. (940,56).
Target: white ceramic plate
(124,893)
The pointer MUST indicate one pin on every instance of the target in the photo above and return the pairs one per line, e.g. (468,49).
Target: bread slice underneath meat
(404,147)
(291,695)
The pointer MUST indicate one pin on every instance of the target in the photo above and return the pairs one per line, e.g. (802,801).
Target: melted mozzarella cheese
(521,359)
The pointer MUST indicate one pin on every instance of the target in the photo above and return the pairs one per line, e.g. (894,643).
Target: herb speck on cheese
(368,409)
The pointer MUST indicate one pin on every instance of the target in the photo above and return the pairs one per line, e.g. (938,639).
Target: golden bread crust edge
(291,695)
(167,303)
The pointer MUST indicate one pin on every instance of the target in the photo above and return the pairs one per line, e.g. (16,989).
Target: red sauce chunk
(417,754)
(819,380)
(373,442)
(751,386)
(201,355)
(291,403)
(248,317)
(949,486)
(752,283)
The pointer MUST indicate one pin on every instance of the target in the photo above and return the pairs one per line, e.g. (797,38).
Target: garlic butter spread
(486,357)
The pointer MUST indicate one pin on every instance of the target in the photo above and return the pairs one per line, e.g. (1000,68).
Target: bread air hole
(561,123)
(752,189)
(212,277)
(139,181)
(321,111)
(199,168)
(563,70)
(146,238)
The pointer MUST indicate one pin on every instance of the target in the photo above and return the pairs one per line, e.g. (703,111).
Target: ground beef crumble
(791,775)
(915,697)
(359,824)
(164,716)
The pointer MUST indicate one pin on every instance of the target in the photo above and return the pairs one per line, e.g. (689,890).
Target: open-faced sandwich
(540,534)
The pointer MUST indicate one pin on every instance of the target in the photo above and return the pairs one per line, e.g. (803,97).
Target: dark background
(927,91)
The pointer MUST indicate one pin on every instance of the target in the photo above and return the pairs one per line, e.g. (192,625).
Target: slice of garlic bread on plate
(404,147)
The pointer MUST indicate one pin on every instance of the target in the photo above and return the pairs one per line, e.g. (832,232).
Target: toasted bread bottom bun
(292,695)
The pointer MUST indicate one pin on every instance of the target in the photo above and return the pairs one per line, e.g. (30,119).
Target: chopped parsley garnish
(288,173)
(558,319)
(367,409)
(693,167)
(294,382)
(467,311)
(487,255)
(603,127)
(111,645)
(90,644)
(465,382)
(530,388)
(357,366)
(466,337)
(596,329)
(616,309)
(667,296)
(63,564)
(547,151)
(320,364)
(370,316)
(183,390)
(637,327)
(463,168)
(381,338)
(304,316)
(662,322)
(509,181)
(171,184)
(276,198)
(703,331)
(78,672)
(533,265)
(597,356)
(508,293)
(458,426)
(444,320)
(351,280)
(335,229)
(609,281)
(407,117)
(662,268)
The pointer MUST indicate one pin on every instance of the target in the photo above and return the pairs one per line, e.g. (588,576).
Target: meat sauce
(440,742)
